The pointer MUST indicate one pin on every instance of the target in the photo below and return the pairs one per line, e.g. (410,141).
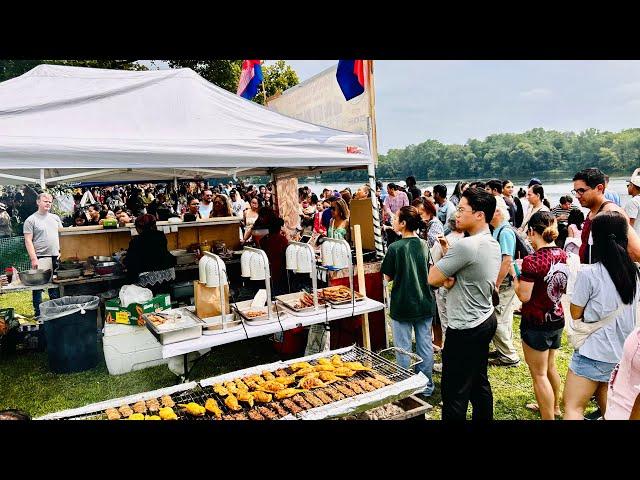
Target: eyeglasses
(462,209)
(580,191)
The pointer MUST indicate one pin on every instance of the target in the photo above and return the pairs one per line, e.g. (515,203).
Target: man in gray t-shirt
(469,270)
(42,241)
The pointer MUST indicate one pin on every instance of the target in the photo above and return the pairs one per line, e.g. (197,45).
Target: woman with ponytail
(411,302)
(540,287)
(605,291)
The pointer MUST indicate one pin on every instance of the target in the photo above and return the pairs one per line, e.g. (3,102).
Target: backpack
(523,248)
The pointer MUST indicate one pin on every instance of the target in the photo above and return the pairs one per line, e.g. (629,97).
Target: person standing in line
(505,354)
(469,270)
(540,287)
(395,200)
(610,194)
(237,204)
(632,207)
(605,291)
(406,264)
(445,208)
(588,187)
(457,192)
(514,204)
(206,204)
(535,196)
(412,189)
(5,222)
(522,196)
(433,228)
(623,395)
(42,241)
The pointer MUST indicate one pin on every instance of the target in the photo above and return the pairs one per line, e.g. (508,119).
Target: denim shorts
(594,370)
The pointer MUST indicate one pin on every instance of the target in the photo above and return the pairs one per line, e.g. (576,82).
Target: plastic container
(70,330)
(128,348)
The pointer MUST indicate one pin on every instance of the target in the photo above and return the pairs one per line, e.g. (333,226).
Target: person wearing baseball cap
(633,205)
(5,222)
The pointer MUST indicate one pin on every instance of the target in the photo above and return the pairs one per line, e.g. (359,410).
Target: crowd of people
(485,253)
(458,267)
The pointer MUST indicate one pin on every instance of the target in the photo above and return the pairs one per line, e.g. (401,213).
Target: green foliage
(14,68)
(226,73)
(509,155)
(223,73)
(277,78)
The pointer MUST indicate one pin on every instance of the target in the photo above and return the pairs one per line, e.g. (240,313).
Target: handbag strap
(603,322)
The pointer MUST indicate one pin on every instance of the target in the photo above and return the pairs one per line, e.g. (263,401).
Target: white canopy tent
(66,124)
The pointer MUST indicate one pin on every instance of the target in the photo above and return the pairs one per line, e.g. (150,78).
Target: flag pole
(264,88)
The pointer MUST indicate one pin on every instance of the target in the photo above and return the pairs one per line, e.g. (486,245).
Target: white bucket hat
(635,177)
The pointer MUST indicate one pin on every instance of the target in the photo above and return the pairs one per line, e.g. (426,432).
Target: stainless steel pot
(35,277)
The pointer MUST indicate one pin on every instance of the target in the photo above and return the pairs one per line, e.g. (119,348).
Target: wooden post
(366,338)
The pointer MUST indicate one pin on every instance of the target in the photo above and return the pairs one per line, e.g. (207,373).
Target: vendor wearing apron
(148,261)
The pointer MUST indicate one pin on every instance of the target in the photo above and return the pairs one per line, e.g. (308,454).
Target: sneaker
(500,362)
(437,367)
(494,354)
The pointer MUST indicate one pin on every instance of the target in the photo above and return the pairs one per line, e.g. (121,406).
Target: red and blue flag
(250,78)
(350,76)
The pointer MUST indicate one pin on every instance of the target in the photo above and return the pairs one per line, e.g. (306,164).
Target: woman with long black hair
(605,291)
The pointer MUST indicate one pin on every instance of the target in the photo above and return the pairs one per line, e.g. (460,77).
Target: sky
(455,100)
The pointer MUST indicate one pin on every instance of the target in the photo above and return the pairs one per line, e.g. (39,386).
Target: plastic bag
(61,307)
(134,294)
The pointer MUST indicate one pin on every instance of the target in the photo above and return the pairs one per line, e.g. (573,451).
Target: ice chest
(131,314)
(128,348)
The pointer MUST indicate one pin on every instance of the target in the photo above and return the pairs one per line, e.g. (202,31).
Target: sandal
(532,406)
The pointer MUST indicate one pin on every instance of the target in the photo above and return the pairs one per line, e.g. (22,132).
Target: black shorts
(542,340)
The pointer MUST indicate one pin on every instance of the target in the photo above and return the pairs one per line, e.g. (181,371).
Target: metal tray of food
(321,293)
(178,324)
(293,301)
(251,314)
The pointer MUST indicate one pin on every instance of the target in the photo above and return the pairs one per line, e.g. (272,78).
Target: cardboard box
(131,315)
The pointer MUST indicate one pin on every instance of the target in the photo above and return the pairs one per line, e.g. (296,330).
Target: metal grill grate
(200,394)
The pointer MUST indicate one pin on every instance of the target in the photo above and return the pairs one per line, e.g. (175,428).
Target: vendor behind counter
(148,261)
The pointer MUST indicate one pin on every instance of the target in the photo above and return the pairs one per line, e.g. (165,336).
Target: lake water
(553,188)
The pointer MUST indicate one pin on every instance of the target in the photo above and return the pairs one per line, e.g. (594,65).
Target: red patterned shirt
(544,310)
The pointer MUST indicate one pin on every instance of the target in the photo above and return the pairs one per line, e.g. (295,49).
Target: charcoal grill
(405,383)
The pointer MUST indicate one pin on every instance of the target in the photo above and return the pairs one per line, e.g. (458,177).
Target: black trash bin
(70,330)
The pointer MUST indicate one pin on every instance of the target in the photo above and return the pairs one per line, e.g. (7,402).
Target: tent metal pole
(371,170)
(17,177)
(43,184)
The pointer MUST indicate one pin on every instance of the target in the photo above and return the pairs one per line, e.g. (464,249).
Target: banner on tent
(319,100)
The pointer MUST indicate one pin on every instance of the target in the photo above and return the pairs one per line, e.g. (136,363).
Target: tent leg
(43,184)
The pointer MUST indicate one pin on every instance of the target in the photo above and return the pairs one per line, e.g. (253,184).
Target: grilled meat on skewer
(323,396)
(125,411)
(267,413)
(333,393)
(167,401)
(291,406)
(278,408)
(112,414)
(374,383)
(355,387)
(312,399)
(365,385)
(255,415)
(342,388)
(299,399)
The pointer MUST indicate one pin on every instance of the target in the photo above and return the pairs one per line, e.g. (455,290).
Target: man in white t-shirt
(237,205)
(206,204)
(633,205)
(42,241)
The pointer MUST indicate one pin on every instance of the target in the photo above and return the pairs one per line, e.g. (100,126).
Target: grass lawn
(27,384)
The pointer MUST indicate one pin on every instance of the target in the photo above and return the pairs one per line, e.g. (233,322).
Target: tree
(226,73)
(15,68)
(277,78)
(223,73)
